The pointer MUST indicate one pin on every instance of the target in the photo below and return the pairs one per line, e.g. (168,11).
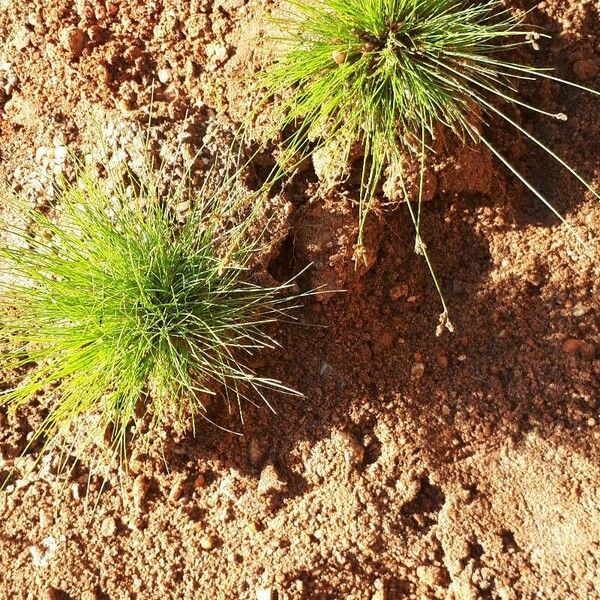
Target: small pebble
(417,371)
(579,310)
(264,594)
(22,39)
(108,527)
(177,489)
(140,489)
(34,19)
(216,53)
(207,542)
(60,153)
(37,555)
(254,527)
(270,481)
(164,75)
(75,491)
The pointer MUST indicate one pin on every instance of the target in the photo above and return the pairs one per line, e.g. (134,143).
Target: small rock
(139,491)
(73,40)
(177,489)
(60,154)
(270,481)
(22,39)
(379,595)
(417,371)
(100,13)
(164,76)
(264,594)
(579,310)
(75,491)
(11,82)
(339,57)
(42,554)
(208,542)
(216,52)
(37,554)
(108,527)
(35,19)
(586,69)
(200,481)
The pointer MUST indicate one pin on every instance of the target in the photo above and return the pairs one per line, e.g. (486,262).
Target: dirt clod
(73,40)
(271,481)
(579,347)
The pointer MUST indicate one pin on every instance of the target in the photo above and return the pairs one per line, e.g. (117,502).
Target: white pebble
(164,76)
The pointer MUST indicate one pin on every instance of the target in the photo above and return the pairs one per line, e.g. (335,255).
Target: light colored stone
(164,76)
(108,527)
(207,542)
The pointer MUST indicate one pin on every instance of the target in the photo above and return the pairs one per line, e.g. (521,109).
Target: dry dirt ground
(465,466)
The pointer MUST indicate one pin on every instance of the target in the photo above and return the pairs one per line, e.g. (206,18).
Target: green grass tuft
(116,310)
(385,76)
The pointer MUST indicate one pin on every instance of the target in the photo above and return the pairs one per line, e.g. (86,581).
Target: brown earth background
(465,466)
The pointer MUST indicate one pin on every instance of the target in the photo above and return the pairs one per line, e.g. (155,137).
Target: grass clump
(387,75)
(116,310)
